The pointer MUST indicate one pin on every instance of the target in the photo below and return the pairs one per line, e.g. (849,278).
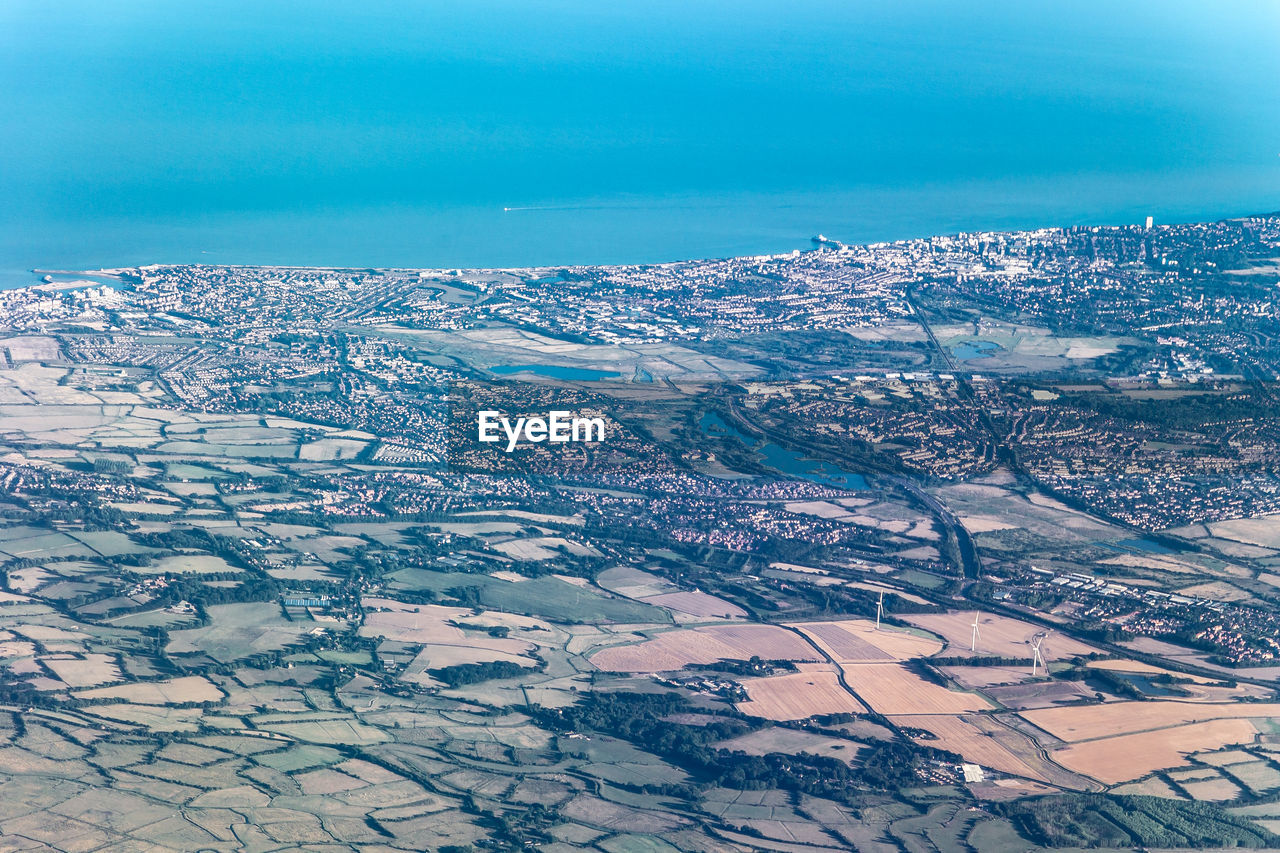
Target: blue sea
(462,133)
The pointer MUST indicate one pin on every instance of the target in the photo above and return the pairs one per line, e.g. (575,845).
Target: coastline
(8,278)
(628,230)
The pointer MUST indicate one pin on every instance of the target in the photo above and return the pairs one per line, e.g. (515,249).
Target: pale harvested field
(797,696)
(412,623)
(1217,590)
(1226,758)
(1088,351)
(985,523)
(1219,790)
(804,570)
(998,635)
(428,624)
(634,583)
(29,579)
(93,669)
(767,641)
(438,656)
(1041,499)
(16,649)
(1089,722)
(324,781)
(697,604)
(1268,825)
(1153,561)
(1127,757)
(1264,531)
(435,656)
(191,688)
(575,520)
(975,677)
(668,651)
(924,552)
(338,730)
(585,640)
(31,348)
(238,630)
(1153,787)
(327,549)
(188,564)
(673,650)
(1139,666)
(329,449)
(143,508)
(543,548)
(791,741)
(810,577)
(443,644)
(959,735)
(843,645)
(47,634)
(1192,774)
(822,509)
(150,716)
(856,640)
(891,688)
(479,528)
(187,490)
(1258,775)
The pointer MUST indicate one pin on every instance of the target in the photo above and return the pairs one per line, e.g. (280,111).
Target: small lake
(789,462)
(556,371)
(1147,685)
(974,349)
(1145,545)
(714,425)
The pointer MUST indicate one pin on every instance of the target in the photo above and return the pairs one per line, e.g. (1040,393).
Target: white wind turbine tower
(1036,657)
(973,641)
(879,609)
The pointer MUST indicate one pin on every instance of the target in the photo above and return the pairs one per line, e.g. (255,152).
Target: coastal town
(872,533)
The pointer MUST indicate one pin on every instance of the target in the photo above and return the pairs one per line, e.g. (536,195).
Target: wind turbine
(973,641)
(1036,657)
(879,609)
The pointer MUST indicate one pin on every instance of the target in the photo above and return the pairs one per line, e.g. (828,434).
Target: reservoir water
(970,350)
(1146,545)
(500,133)
(789,462)
(1147,684)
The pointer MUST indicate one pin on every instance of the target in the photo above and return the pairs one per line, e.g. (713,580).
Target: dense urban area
(967,543)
